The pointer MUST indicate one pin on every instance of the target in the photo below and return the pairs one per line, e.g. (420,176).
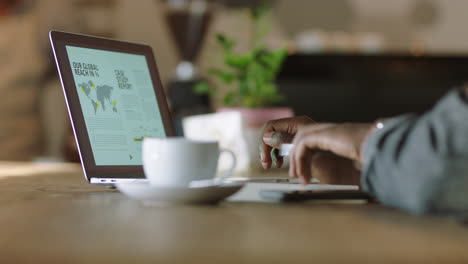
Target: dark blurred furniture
(341,87)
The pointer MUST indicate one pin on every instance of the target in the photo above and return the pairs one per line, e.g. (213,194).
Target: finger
(317,138)
(292,168)
(303,162)
(274,154)
(300,162)
(265,157)
(279,162)
(265,149)
(275,139)
(288,126)
(292,155)
(307,149)
(316,127)
(308,130)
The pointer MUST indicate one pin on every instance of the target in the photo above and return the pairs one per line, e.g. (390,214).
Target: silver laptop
(115,99)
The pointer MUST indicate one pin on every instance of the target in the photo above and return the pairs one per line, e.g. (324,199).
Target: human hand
(343,140)
(329,168)
(276,132)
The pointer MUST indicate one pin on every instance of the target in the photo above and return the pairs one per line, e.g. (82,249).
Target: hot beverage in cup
(178,162)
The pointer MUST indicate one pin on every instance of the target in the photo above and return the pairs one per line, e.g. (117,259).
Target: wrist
(372,128)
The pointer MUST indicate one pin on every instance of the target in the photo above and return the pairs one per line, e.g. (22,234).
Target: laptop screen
(118,102)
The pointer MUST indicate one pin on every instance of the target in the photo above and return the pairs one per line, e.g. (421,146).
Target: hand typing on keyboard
(327,152)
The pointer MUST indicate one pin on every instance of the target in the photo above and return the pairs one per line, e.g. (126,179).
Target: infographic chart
(118,102)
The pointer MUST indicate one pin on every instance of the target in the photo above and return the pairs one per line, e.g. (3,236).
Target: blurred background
(348,60)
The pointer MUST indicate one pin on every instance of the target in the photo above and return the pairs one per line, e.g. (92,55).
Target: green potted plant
(245,85)
(248,77)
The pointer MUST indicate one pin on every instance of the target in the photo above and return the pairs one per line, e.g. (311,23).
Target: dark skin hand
(330,152)
(276,132)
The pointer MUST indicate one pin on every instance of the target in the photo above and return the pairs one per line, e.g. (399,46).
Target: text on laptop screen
(118,102)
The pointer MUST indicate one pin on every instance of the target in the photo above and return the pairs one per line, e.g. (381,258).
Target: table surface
(52,215)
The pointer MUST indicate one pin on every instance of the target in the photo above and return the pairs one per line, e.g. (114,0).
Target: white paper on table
(251,191)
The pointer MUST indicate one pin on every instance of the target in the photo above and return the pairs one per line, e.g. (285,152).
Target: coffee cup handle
(229,172)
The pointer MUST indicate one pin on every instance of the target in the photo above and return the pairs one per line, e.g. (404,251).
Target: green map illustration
(99,95)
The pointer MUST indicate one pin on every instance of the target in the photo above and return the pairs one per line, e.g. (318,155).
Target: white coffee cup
(181,162)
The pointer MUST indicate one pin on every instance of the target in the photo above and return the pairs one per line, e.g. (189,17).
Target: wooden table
(51,215)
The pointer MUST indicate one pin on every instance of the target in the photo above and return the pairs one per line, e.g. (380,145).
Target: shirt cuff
(371,146)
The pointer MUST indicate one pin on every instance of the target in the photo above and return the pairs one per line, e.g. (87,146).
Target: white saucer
(205,194)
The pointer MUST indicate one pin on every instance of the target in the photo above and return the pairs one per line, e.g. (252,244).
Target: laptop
(114,98)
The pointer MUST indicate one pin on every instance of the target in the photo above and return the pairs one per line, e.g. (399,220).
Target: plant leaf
(224,76)
(201,88)
(239,61)
(225,42)
(277,59)
(253,73)
(260,10)
(229,98)
(243,86)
